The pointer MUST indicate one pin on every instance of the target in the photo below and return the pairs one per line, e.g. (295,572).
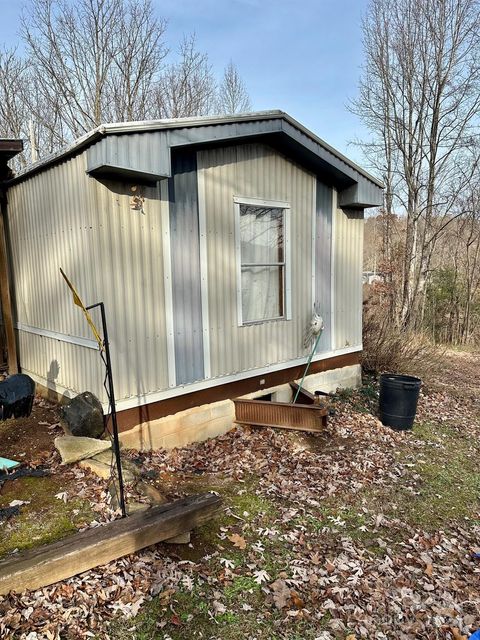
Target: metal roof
(357,188)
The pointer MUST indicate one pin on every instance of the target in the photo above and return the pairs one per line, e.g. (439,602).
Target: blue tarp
(5,464)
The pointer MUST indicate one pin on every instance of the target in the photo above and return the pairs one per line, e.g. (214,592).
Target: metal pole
(307,367)
(113,411)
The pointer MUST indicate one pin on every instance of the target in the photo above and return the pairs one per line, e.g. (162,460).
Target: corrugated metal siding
(57,362)
(185,255)
(348,249)
(254,171)
(63,218)
(363,193)
(323,262)
(146,151)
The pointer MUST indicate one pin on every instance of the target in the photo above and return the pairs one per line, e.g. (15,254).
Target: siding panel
(254,171)
(348,278)
(323,262)
(63,218)
(186,277)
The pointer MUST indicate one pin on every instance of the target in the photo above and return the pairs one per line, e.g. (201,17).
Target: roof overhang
(110,150)
(9,148)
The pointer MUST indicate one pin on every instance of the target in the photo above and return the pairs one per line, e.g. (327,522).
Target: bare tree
(468,240)
(138,62)
(420,96)
(95,60)
(13,90)
(187,87)
(232,94)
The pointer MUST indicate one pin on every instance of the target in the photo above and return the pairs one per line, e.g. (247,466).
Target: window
(262,245)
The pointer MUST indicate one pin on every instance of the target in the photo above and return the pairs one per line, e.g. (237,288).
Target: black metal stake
(113,411)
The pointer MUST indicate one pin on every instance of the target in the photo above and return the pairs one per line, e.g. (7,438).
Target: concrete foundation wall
(211,420)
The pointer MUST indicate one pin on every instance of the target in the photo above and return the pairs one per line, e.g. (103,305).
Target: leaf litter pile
(360,532)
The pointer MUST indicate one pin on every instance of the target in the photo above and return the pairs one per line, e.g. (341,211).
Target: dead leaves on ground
(296,564)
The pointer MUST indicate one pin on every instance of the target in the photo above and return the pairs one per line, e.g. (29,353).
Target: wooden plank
(304,417)
(11,145)
(5,296)
(286,405)
(285,426)
(304,396)
(45,565)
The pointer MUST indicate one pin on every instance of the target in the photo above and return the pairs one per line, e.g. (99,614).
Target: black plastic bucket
(398,400)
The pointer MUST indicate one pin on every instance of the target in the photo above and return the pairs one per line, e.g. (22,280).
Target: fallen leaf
(281,594)
(237,541)
(228,564)
(329,566)
(219,607)
(260,576)
(18,503)
(296,600)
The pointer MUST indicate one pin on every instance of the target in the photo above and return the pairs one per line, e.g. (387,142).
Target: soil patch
(30,440)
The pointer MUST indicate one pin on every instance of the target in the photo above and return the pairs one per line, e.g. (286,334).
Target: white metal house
(209,240)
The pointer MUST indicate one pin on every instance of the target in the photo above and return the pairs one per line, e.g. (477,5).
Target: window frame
(273,204)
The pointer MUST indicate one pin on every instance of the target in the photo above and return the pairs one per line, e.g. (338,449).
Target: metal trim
(314,245)
(179,123)
(202,230)
(140,400)
(261,202)
(167,279)
(287,278)
(54,335)
(332,269)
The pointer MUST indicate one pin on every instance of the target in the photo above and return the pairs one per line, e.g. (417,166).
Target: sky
(301,56)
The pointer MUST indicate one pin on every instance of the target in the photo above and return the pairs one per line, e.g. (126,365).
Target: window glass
(262,258)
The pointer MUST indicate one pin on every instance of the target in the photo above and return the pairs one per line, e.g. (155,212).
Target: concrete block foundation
(211,420)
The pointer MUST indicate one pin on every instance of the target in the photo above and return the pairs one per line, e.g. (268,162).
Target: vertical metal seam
(288,266)
(167,267)
(333,258)
(238,262)
(202,229)
(314,243)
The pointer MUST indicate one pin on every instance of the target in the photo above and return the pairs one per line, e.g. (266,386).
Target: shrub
(386,348)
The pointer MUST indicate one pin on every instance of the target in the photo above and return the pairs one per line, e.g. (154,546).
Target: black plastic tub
(398,400)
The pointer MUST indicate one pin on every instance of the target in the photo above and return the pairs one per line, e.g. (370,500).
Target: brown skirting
(132,417)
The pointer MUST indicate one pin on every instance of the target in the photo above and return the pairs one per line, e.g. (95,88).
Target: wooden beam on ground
(45,565)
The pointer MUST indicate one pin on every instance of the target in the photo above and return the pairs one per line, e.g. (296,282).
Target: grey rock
(73,449)
(84,415)
(107,458)
(151,493)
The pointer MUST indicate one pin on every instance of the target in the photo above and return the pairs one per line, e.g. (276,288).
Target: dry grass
(388,349)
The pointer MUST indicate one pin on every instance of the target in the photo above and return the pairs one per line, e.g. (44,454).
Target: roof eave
(182,123)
